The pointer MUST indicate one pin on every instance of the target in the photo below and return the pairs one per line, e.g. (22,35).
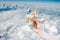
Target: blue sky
(41,1)
(35,0)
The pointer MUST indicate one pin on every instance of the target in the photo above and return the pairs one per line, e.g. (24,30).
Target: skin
(35,26)
(35,23)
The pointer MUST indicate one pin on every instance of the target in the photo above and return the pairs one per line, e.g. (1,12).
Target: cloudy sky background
(13,24)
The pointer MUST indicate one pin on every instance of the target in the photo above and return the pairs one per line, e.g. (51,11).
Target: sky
(13,24)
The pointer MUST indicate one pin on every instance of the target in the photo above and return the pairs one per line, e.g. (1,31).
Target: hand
(35,11)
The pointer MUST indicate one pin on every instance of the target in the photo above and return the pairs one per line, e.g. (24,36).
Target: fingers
(35,11)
